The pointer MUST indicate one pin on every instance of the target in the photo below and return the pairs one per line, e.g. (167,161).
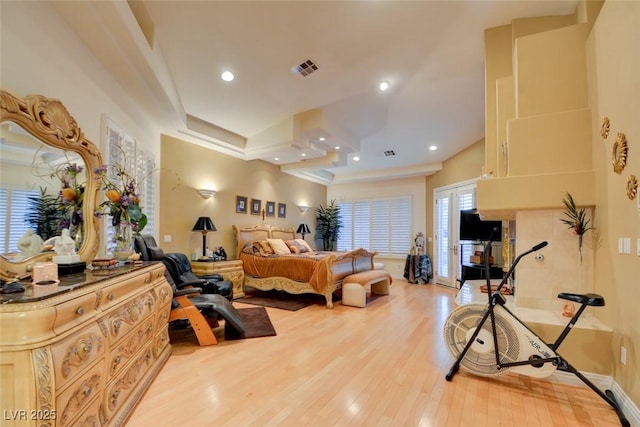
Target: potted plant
(44,215)
(328,225)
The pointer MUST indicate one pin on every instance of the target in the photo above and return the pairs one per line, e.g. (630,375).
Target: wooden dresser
(230,270)
(84,351)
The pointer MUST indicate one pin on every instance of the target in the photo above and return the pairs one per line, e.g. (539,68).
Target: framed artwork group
(271,209)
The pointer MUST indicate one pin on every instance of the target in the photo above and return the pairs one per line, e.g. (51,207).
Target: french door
(448,203)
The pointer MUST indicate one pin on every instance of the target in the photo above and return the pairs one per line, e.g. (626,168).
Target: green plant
(328,225)
(44,214)
(576,220)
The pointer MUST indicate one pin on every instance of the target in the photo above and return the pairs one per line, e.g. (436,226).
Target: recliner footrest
(588,299)
(233,326)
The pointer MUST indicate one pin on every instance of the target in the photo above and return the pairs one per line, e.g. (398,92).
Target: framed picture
(282,210)
(256,205)
(271,209)
(241,204)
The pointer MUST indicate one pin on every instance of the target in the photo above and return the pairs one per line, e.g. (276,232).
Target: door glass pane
(443,236)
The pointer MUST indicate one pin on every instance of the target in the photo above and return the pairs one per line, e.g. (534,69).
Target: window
(123,150)
(13,226)
(382,225)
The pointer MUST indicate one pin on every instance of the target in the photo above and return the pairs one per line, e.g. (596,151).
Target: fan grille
(462,322)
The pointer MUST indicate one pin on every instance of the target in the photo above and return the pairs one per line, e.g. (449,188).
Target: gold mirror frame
(619,153)
(48,120)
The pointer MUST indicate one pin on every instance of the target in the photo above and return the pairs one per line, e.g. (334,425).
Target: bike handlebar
(513,266)
(539,246)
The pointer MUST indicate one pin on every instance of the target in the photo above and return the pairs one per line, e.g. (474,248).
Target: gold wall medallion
(619,153)
(604,129)
(632,187)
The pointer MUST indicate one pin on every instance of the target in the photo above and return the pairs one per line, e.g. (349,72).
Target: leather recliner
(179,268)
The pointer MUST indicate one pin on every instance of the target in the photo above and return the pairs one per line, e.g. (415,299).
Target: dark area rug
(256,323)
(282,300)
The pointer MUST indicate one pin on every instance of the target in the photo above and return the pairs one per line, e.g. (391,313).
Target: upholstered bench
(354,287)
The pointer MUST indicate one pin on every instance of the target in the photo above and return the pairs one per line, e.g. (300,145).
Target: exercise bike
(489,340)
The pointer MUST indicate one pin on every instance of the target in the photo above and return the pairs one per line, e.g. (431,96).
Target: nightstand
(230,270)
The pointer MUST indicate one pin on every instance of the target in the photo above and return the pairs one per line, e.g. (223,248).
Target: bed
(319,272)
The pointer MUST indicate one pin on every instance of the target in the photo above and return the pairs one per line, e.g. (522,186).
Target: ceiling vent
(389,153)
(306,68)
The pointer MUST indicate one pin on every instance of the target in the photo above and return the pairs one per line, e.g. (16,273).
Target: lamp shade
(303,228)
(204,223)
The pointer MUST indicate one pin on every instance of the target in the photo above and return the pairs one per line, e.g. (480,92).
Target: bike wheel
(480,359)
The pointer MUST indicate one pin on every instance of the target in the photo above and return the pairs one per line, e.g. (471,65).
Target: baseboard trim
(603,382)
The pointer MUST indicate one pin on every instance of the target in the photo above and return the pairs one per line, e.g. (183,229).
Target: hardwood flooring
(383,365)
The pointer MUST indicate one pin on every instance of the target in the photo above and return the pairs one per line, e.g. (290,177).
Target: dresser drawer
(118,292)
(77,397)
(120,388)
(90,417)
(129,347)
(77,352)
(125,318)
(74,312)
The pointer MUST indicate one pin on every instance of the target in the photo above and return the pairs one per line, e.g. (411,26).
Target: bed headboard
(251,233)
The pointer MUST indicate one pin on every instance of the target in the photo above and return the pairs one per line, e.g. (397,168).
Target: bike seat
(588,299)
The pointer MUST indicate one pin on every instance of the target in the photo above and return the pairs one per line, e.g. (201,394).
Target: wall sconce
(303,208)
(206,193)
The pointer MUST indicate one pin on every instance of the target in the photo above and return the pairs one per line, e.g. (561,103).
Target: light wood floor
(383,365)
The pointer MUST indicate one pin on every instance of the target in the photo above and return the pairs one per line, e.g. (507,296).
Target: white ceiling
(431,52)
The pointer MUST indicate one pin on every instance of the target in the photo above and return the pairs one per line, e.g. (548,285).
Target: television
(473,228)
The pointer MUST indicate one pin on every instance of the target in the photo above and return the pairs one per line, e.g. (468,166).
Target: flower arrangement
(123,198)
(576,220)
(71,194)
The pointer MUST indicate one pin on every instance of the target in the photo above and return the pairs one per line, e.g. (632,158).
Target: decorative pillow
(279,246)
(250,248)
(297,248)
(305,244)
(264,248)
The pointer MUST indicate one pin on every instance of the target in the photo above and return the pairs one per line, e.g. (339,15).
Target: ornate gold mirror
(42,147)
(619,153)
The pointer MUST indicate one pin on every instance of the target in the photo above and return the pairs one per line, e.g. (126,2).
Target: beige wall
(464,166)
(199,167)
(613,63)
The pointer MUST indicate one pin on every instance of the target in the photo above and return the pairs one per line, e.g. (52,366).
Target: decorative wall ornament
(632,187)
(619,153)
(604,129)
(576,219)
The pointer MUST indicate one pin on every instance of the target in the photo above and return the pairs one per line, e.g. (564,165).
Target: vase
(123,239)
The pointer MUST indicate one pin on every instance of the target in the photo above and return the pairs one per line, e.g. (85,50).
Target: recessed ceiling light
(356,158)
(276,158)
(227,76)
(433,148)
(337,147)
(384,85)
(321,138)
(303,155)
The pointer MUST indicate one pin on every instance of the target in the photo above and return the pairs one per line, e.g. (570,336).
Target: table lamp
(303,229)
(204,225)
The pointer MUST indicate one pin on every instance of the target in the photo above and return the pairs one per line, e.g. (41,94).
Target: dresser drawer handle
(147,280)
(118,359)
(87,391)
(110,297)
(80,311)
(87,348)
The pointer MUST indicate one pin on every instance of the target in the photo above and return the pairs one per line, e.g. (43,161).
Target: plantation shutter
(361,224)
(15,225)
(400,226)
(345,238)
